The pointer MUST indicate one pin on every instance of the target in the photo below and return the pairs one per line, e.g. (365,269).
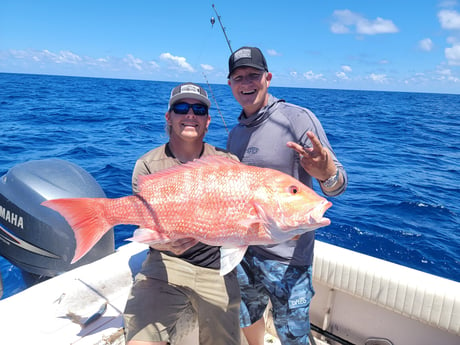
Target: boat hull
(358,298)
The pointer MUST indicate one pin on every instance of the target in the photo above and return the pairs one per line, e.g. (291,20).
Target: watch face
(331,181)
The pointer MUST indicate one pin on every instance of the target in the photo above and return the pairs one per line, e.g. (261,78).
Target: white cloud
(133,62)
(345,20)
(378,78)
(45,60)
(453,55)
(178,62)
(68,57)
(378,26)
(338,28)
(341,75)
(426,44)
(446,74)
(153,64)
(449,19)
(448,3)
(452,40)
(207,67)
(444,71)
(312,76)
(96,62)
(273,52)
(63,57)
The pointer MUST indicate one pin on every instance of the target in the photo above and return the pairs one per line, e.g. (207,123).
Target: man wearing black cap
(180,281)
(274,134)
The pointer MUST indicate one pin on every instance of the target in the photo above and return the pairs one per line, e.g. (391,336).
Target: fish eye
(293,189)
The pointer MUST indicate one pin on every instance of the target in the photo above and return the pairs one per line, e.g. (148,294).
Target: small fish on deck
(79,319)
(216,200)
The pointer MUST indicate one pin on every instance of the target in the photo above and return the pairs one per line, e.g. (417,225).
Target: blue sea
(401,152)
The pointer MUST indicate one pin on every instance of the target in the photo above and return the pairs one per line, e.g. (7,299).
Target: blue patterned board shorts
(290,290)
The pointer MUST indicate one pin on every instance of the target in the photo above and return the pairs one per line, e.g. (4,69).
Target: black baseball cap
(247,57)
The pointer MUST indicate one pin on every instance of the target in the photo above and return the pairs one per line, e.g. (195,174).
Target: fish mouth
(313,219)
(316,216)
(288,228)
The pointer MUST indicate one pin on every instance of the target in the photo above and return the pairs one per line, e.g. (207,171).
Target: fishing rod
(215,101)
(223,28)
(213,20)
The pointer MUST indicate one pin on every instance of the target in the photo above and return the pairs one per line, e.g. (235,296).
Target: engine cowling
(35,238)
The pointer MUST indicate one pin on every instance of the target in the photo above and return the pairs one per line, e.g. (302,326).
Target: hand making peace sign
(316,160)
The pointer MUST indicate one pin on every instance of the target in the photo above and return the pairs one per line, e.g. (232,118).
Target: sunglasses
(183,108)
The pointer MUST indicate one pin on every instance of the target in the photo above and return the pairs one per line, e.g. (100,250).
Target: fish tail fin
(84,216)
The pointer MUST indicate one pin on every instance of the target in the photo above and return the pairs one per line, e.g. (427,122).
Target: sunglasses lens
(183,108)
(200,109)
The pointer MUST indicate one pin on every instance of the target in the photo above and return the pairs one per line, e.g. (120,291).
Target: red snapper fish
(215,200)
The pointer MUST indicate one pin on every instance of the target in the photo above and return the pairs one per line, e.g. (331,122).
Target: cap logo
(241,54)
(190,88)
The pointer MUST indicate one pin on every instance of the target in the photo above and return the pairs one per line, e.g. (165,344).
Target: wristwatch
(331,181)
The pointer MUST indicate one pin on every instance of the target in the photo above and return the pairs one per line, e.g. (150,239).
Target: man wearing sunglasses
(275,134)
(180,281)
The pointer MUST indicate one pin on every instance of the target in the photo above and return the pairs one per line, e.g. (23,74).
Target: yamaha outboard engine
(35,238)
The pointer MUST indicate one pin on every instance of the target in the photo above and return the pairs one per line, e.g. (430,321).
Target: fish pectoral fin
(269,223)
(149,236)
(257,215)
(230,258)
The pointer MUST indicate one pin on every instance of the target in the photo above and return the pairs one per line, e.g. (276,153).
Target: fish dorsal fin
(230,258)
(208,161)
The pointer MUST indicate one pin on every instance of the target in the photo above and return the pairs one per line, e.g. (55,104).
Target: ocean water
(401,152)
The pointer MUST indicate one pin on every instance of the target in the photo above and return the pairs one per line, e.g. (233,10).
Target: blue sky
(356,44)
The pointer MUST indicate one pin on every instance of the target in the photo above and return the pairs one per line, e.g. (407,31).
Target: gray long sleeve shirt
(260,140)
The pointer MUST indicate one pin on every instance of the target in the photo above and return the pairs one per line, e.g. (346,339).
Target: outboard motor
(33,237)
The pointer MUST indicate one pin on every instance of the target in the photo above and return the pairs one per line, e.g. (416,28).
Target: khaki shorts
(170,295)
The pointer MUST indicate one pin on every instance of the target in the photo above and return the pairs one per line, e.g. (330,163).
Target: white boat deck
(38,315)
(357,297)
(360,297)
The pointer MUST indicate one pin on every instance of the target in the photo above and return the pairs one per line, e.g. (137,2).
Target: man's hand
(315,160)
